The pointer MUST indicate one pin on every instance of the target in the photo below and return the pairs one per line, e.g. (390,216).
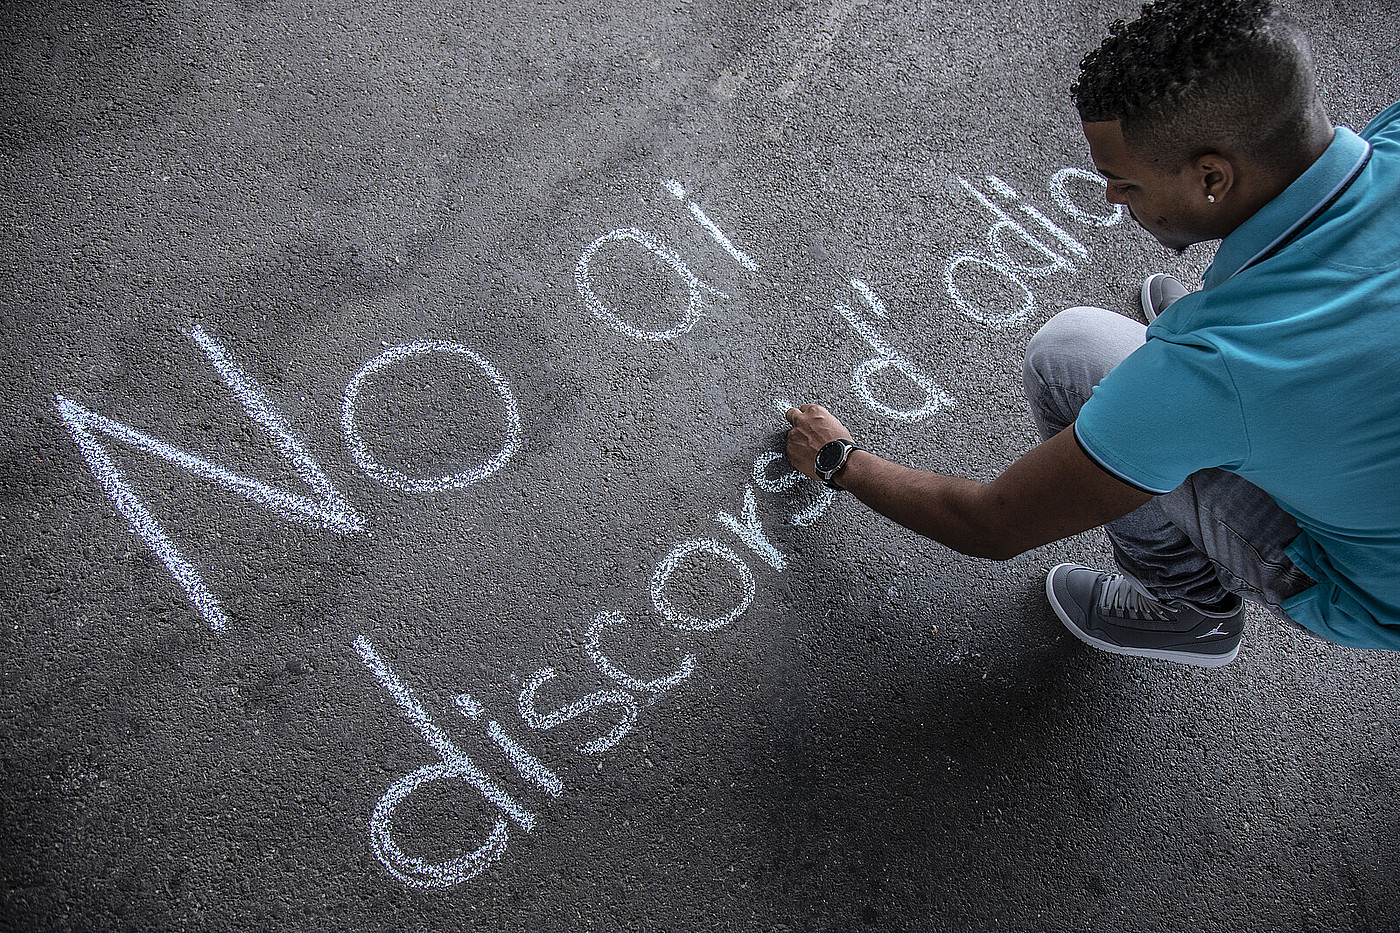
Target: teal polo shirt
(1285,369)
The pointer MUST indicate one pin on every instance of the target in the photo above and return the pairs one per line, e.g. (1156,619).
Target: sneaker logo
(1218,630)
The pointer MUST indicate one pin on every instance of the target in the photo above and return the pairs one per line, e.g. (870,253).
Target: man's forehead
(1108,149)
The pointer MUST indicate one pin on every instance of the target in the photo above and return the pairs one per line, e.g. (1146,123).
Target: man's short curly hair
(1193,76)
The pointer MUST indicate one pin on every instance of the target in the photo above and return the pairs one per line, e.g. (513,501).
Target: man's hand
(813,427)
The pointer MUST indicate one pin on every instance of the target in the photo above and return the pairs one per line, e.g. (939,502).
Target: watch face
(830,456)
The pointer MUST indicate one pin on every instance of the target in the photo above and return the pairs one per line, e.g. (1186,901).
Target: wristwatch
(831,459)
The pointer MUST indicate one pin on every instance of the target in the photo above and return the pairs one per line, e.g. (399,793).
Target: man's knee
(1061,339)
(1079,345)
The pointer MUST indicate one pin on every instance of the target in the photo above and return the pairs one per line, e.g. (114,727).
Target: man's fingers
(807,408)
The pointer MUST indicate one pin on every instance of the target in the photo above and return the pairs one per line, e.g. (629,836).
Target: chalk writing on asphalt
(1017,253)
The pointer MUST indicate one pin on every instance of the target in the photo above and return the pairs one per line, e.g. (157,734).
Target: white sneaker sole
(1146,297)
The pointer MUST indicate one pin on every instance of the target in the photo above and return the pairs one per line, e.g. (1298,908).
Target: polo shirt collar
(1297,206)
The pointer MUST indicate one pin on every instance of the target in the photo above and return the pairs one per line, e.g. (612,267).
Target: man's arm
(1052,492)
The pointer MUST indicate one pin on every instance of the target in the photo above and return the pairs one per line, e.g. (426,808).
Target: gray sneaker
(1159,292)
(1113,612)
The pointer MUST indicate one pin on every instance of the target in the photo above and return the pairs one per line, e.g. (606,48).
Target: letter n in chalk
(328,509)
(455,766)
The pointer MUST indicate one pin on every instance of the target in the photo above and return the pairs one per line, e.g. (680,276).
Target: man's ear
(1214,175)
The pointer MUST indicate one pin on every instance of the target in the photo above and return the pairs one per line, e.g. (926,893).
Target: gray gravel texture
(887,736)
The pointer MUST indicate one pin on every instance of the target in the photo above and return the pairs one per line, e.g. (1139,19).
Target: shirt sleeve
(1165,412)
(1384,123)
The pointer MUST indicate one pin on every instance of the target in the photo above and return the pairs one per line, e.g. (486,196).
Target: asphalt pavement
(394,527)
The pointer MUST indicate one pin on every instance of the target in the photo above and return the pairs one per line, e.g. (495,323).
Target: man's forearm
(952,511)
(1051,492)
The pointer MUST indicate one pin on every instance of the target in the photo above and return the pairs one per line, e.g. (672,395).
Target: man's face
(1169,205)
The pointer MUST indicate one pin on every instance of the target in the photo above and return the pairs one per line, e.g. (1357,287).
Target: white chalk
(1055,230)
(621,699)
(877,307)
(331,510)
(674,561)
(999,322)
(750,531)
(527,764)
(935,399)
(469,707)
(583,281)
(789,481)
(457,762)
(417,872)
(714,231)
(651,689)
(454,766)
(390,477)
(80,423)
(1059,192)
(825,496)
(783,483)
(1007,222)
(530,767)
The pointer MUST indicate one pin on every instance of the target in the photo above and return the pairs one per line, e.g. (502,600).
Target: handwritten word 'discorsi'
(626,695)
(619,704)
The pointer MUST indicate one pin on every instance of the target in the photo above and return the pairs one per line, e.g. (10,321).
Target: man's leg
(1243,532)
(1070,355)
(1214,535)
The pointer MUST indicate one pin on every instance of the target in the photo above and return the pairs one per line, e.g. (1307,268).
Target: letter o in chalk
(673,561)
(398,480)
(998,321)
(583,278)
(1062,198)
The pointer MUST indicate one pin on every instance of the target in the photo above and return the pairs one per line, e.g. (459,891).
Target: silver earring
(1210,198)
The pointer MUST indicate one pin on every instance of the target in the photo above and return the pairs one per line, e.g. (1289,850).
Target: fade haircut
(1195,76)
